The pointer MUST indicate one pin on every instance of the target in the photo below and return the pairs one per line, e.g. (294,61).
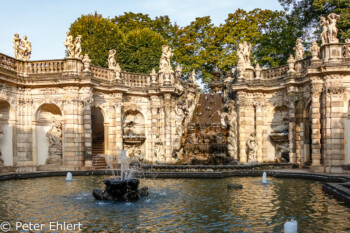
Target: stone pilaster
(118,128)
(316,89)
(155,104)
(87,133)
(292,128)
(259,106)
(242,122)
(334,124)
(168,143)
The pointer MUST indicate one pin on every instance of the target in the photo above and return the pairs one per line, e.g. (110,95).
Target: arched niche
(278,134)
(98,128)
(6,134)
(134,133)
(48,135)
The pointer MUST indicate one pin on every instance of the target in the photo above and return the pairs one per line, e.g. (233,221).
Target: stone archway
(98,135)
(307,149)
(47,138)
(6,135)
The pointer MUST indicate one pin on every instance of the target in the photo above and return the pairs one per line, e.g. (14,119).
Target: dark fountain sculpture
(124,188)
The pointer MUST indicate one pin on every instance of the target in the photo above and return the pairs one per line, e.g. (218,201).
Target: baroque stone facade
(60,114)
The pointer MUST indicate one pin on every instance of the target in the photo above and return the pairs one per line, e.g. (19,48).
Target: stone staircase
(98,147)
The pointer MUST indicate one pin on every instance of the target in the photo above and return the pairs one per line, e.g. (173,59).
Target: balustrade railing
(7,62)
(43,67)
(135,80)
(100,72)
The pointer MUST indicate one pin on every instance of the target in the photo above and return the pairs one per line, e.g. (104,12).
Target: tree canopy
(203,46)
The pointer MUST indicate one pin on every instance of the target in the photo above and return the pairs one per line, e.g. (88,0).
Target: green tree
(306,15)
(142,49)
(99,35)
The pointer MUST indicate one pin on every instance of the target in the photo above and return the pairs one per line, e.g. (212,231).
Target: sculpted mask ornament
(22,48)
(315,51)
(299,51)
(86,62)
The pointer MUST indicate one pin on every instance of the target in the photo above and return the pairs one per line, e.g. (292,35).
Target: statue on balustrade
(243,53)
(324,34)
(299,50)
(252,148)
(112,63)
(315,51)
(22,48)
(164,64)
(69,45)
(55,142)
(332,28)
(77,50)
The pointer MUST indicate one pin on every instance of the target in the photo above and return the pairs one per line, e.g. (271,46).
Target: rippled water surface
(177,205)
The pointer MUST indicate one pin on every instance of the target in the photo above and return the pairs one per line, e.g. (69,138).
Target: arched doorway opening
(307,119)
(6,135)
(98,132)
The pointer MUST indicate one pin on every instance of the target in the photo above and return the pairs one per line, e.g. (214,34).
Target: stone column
(155,104)
(292,129)
(316,89)
(242,104)
(334,124)
(167,106)
(87,132)
(259,129)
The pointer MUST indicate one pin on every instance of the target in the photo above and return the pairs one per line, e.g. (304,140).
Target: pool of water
(176,205)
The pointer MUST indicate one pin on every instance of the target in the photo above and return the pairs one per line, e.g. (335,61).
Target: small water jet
(264,178)
(291,226)
(69,176)
(124,188)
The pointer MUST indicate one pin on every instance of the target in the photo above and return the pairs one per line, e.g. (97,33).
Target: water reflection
(181,205)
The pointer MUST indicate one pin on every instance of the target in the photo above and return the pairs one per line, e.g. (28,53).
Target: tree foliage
(203,46)
(99,35)
(306,14)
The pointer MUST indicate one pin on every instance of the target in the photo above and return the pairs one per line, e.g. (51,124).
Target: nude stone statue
(111,59)
(16,46)
(164,64)
(55,142)
(77,44)
(22,48)
(324,34)
(299,50)
(332,28)
(27,48)
(69,45)
(252,148)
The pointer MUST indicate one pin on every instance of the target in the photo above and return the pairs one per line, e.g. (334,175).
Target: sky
(45,22)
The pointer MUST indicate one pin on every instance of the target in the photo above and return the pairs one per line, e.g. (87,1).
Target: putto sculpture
(73,47)
(22,48)
(252,148)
